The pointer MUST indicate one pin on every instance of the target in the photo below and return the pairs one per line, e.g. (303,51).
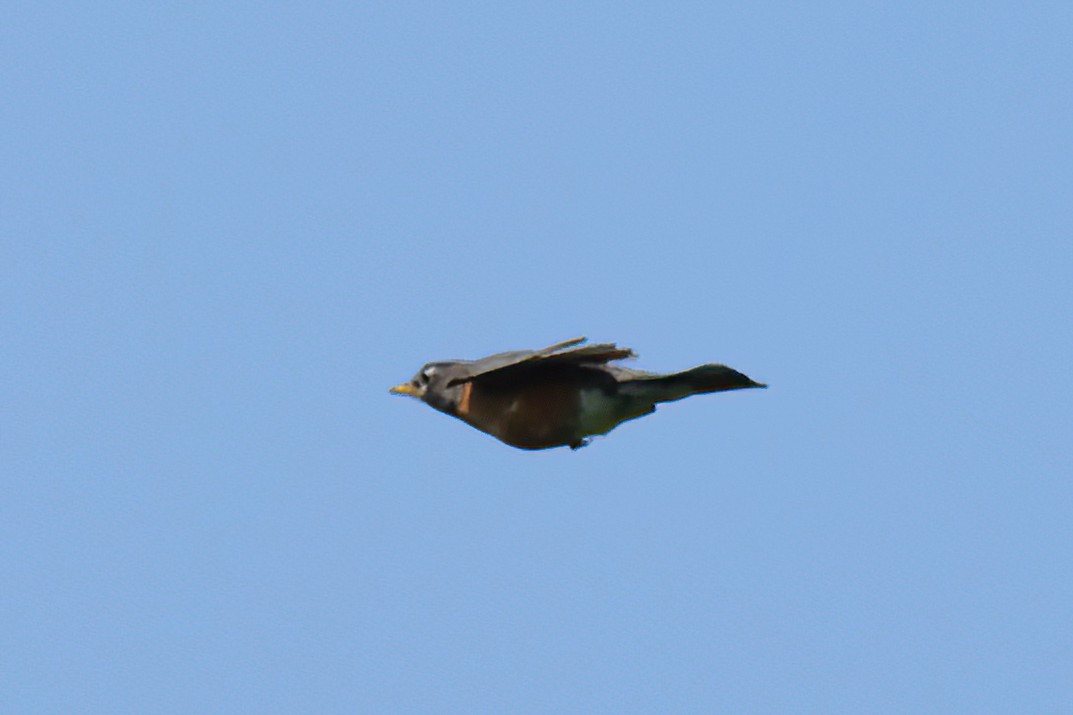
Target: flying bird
(558,396)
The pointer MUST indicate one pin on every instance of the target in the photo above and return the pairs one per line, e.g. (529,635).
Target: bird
(559,396)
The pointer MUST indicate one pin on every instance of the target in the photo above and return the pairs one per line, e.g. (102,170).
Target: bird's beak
(405,388)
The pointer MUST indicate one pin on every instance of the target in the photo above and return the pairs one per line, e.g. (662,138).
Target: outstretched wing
(503,363)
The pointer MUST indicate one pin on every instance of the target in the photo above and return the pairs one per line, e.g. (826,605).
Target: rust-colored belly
(535,415)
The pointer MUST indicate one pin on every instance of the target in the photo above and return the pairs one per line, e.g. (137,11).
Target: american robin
(558,396)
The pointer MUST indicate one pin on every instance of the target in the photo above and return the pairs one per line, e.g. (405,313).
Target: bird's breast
(533,415)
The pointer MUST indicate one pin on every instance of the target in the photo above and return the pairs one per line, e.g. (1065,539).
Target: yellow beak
(404,389)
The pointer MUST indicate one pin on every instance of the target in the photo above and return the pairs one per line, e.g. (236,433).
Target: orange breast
(533,415)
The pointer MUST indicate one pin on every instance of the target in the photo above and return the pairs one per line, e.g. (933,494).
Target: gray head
(432,385)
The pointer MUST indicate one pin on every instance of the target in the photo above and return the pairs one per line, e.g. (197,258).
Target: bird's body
(557,396)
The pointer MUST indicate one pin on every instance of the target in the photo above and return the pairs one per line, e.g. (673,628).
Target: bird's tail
(698,381)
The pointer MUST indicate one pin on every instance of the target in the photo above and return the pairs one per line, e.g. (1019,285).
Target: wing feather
(504,363)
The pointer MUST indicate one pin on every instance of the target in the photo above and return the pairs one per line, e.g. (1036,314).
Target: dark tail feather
(698,381)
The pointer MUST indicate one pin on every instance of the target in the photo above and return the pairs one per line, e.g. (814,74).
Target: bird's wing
(505,363)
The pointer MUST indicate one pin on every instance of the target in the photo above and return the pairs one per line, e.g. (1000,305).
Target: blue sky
(226,230)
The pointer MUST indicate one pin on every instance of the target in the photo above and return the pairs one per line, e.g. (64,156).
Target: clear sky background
(228,228)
